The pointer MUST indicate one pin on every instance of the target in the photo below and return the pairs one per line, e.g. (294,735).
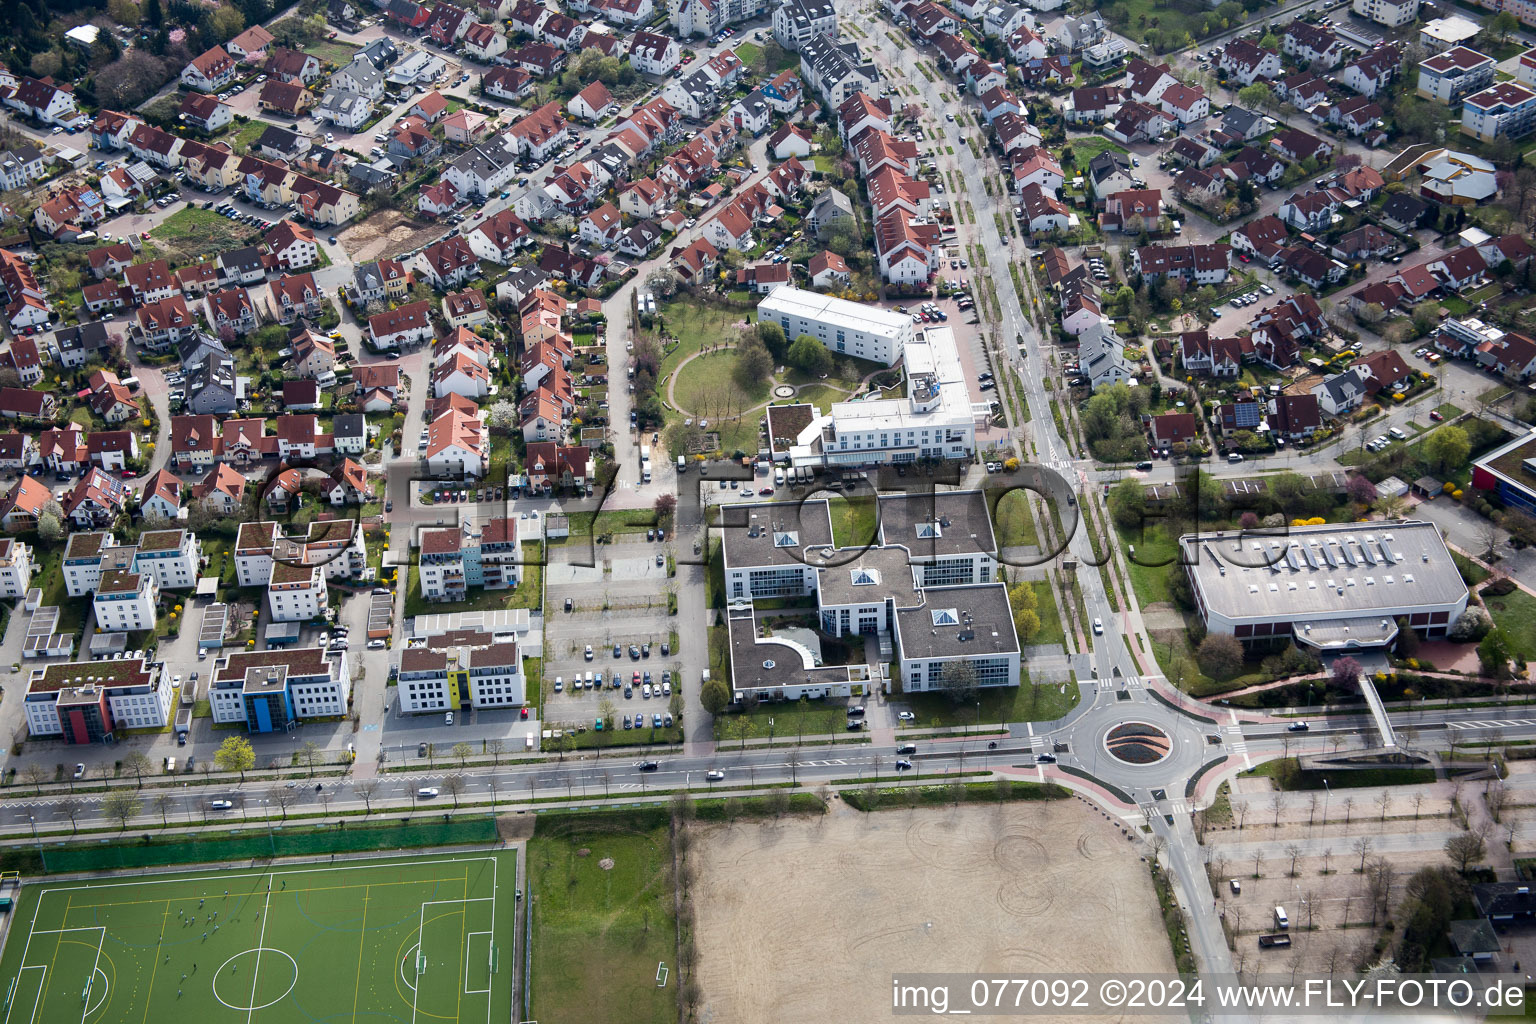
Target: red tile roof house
(1385,371)
(295,296)
(301,395)
(1173,428)
(1295,416)
(26,404)
(551,466)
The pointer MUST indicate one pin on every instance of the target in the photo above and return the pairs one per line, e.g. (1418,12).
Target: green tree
(753,363)
(1447,446)
(714,696)
(772,336)
(235,755)
(1256,96)
(1026,614)
(1501,26)
(1494,652)
(809,356)
(1128,503)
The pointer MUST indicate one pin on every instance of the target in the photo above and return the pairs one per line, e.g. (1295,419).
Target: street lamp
(1327,794)
(42,858)
(770,732)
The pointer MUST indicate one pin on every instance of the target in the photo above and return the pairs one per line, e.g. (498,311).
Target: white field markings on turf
(261,944)
(95,970)
(223,878)
(421,928)
(41,986)
(90,981)
(92,1009)
(409,958)
(469,939)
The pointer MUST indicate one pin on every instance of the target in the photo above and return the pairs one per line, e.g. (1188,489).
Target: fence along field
(419,940)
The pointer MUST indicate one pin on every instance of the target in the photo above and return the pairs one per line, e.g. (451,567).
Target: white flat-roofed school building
(1333,588)
(845,328)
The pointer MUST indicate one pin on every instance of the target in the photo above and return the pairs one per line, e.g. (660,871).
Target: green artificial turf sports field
(427,939)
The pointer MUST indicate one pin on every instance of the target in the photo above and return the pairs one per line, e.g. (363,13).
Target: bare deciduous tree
(1465,849)
(1293,852)
(1312,802)
(1276,802)
(1384,801)
(70,807)
(453,785)
(1363,846)
(367,789)
(283,797)
(1258,862)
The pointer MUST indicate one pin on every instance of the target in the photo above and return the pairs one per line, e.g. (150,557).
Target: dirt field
(801,915)
(385,233)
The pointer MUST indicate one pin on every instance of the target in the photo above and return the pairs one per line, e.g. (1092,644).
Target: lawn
(191,232)
(1012,520)
(246,137)
(601,897)
(855,520)
(1515,612)
(707,386)
(336,52)
(1030,702)
(748,52)
(790,720)
(694,324)
(1157,558)
(1051,629)
(426,936)
(1084,150)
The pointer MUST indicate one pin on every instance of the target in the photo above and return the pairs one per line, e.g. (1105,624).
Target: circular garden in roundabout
(1138,743)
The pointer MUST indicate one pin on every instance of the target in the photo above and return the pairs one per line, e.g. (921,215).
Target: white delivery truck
(682,465)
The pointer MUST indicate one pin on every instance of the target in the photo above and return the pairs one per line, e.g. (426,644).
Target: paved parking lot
(622,600)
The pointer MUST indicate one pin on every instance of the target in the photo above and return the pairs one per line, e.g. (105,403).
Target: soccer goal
(421,963)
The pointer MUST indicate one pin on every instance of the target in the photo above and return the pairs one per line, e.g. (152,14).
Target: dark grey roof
(248,258)
(349,424)
(88,336)
(1239,121)
(280,139)
(935,524)
(1107,163)
(1404,208)
(773,533)
(1497,898)
(1474,935)
(956,622)
(198,347)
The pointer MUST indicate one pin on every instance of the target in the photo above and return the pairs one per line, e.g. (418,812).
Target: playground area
(416,939)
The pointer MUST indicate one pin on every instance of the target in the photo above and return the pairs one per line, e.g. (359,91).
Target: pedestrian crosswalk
(1232,735)
(1492,723)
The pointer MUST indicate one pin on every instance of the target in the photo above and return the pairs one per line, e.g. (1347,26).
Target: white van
(170,765)
(426,792)
(1398,433)
(778,478)
(1281,921)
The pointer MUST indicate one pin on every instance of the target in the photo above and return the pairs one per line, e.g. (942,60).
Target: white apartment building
(88,701)
(453,559)
(796,22)
(1449,76)
(15,567)
(335,546)
(782,550)
(271,690)
(845,328)
(1390,13)
(296,593)
(125,600)
(172,557)
(1504,110)
(463,669)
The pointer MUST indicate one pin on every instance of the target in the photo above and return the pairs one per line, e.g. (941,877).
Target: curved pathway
(772,383)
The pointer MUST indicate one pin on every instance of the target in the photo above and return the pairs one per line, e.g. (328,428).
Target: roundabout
(234,984)
(1138,743)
